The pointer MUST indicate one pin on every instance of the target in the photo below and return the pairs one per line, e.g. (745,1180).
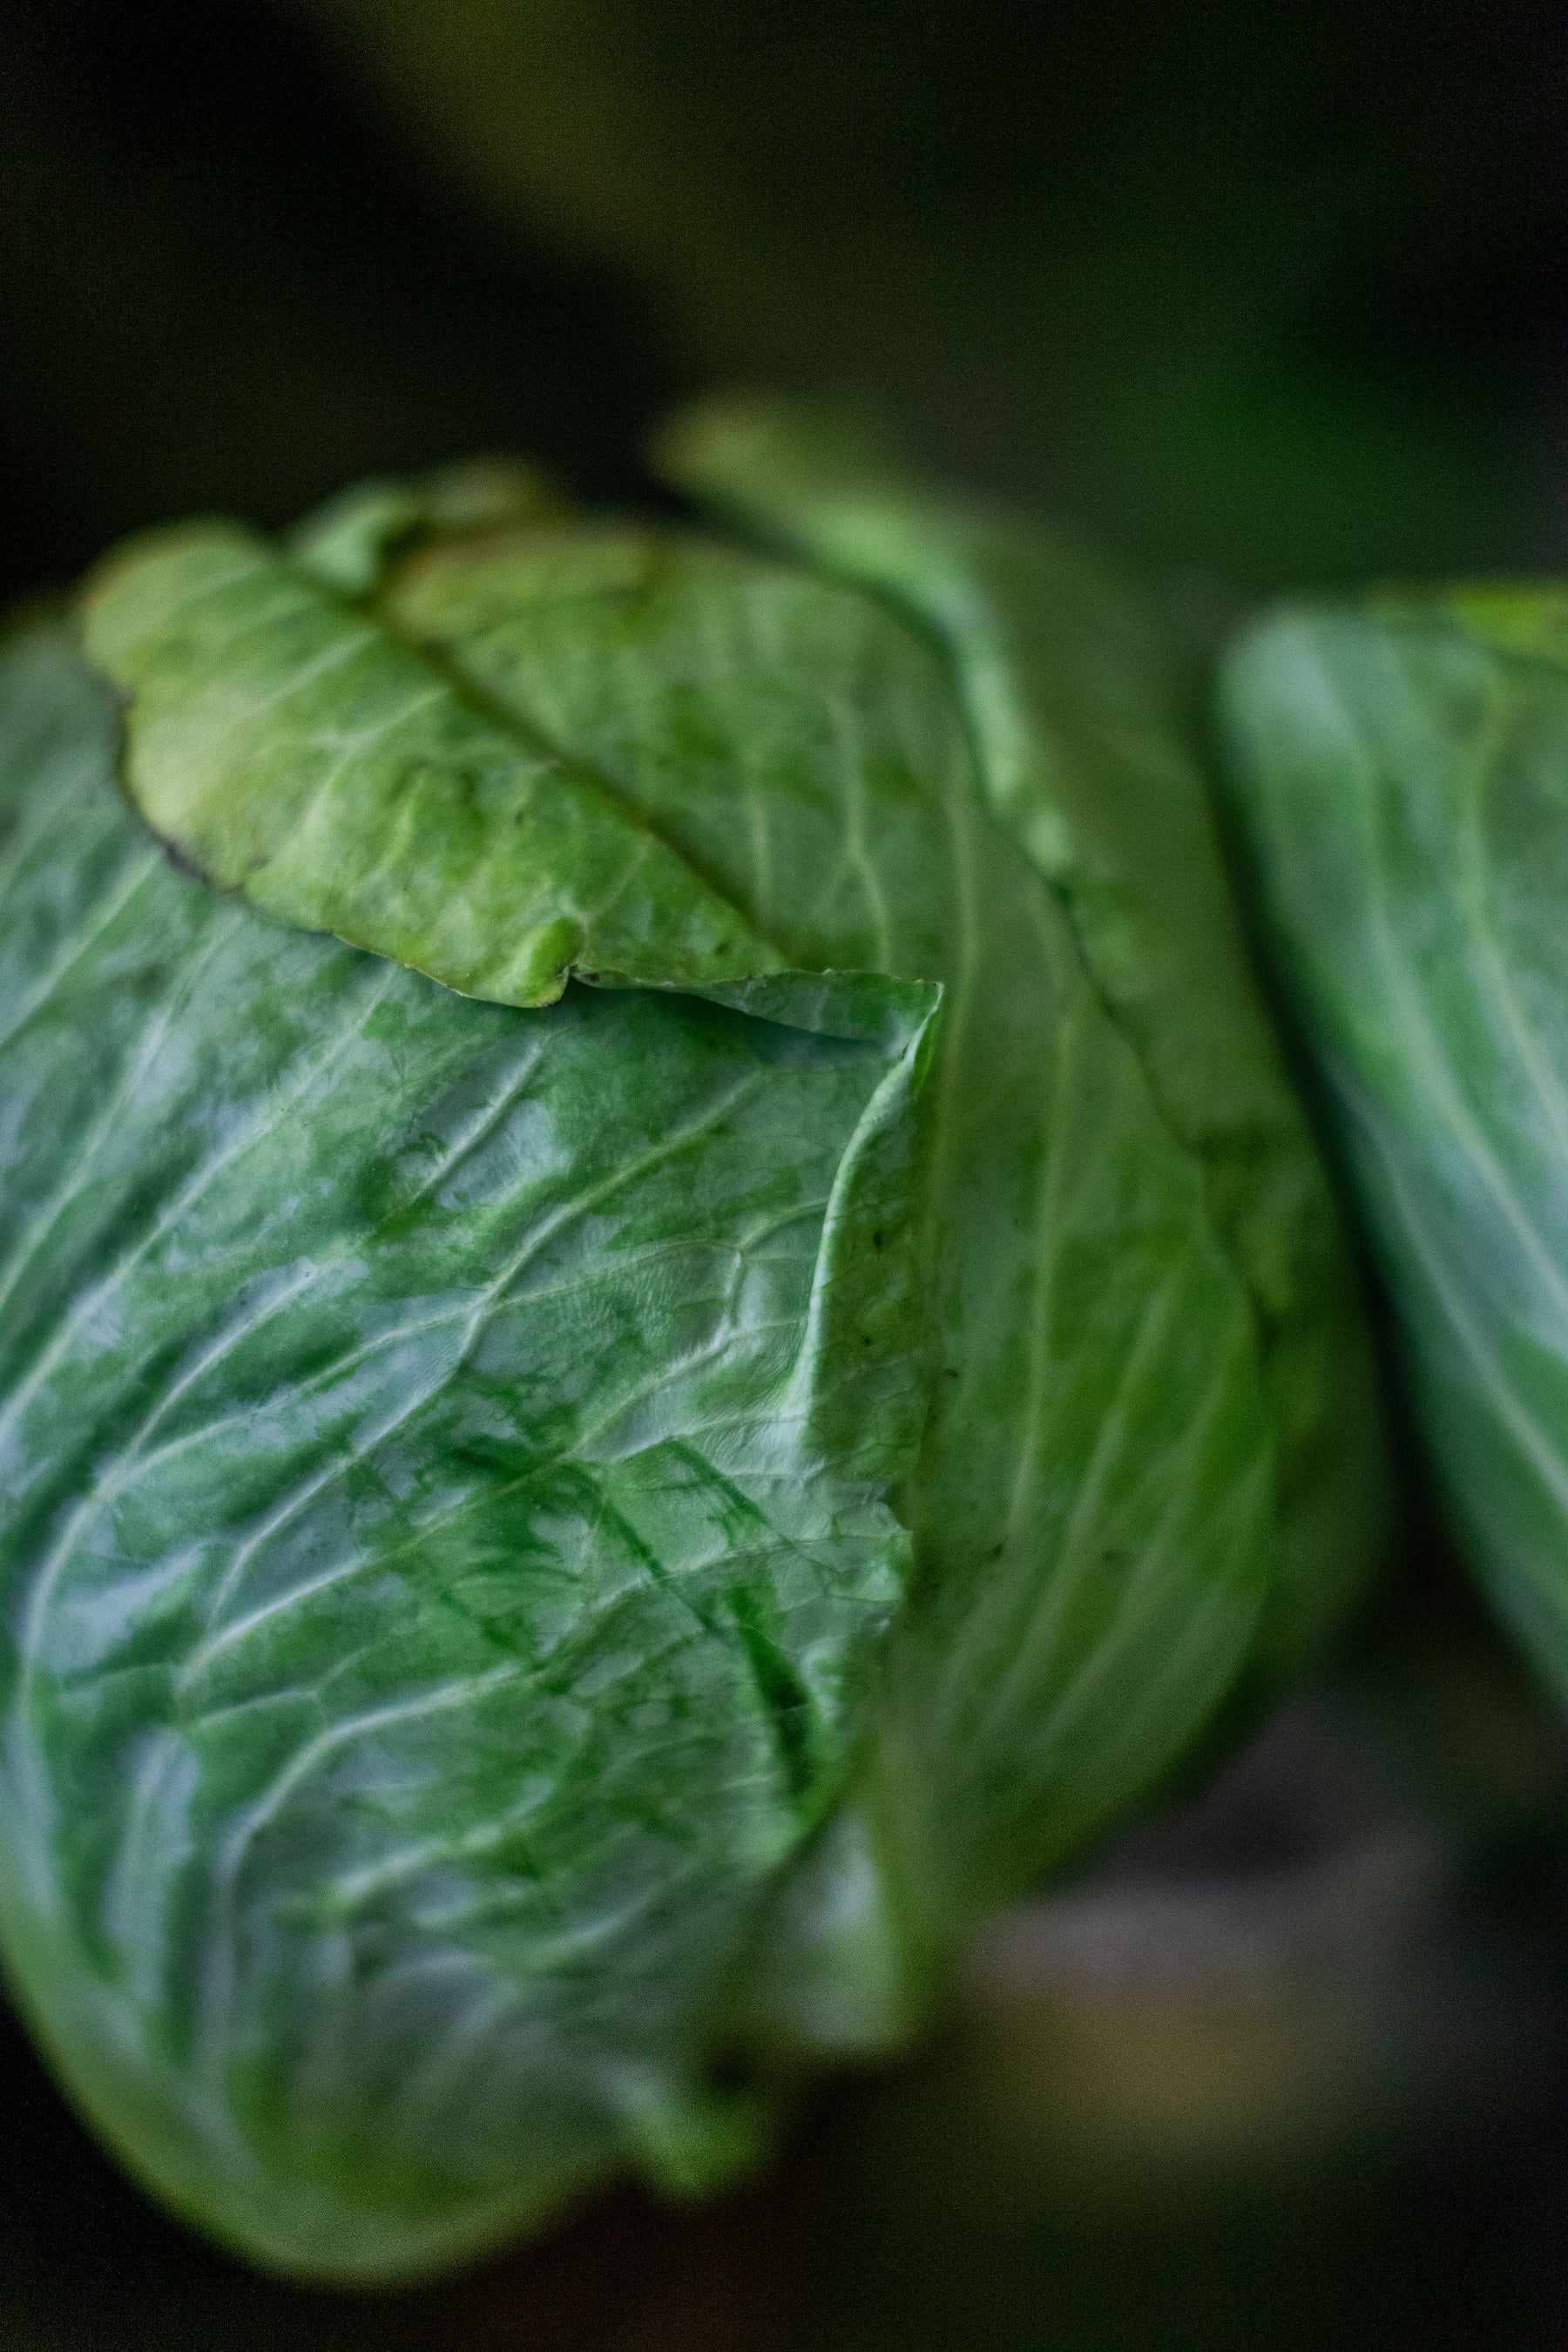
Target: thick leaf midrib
(470,692)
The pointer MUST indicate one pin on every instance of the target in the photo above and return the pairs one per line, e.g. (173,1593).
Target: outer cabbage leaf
(297,753)
(1095,1509)
(445,1452)
(468,1454)
(1401,777)
(1085,716)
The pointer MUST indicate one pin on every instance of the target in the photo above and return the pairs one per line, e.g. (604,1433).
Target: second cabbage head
(666,1319)
(1399,767)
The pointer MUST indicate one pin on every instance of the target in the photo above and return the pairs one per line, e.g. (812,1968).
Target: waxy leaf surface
(1085,716)
(1092,1510)
(438,1588)
(559,1548)
(1401,774)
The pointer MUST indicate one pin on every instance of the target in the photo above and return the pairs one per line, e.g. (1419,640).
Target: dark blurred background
(1278,293)
(1258,298)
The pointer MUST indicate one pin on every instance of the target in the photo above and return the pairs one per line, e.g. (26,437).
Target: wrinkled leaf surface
(558,1546)
(439,1590)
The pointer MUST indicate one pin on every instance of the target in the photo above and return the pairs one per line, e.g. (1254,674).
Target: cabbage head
(665,1317)
(1400,775)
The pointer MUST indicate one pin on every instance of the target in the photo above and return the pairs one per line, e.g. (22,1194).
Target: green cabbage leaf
(1400,774)
(665,1317)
